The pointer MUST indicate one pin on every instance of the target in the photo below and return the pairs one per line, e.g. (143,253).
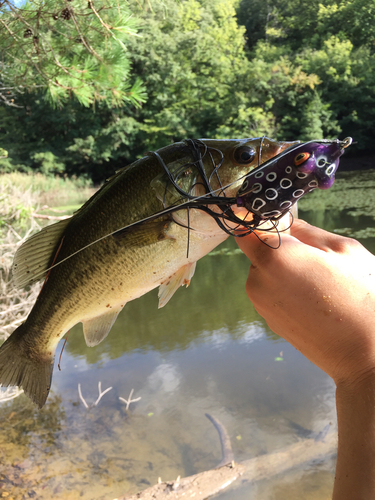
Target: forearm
(317,291)
(355,470)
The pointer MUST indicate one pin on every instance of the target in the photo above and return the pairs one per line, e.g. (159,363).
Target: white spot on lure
(271,194)
(301,175)
(331,169)
(286,204)
(297,193)
(258,203)
(271,176)
(258,188)
(285,183)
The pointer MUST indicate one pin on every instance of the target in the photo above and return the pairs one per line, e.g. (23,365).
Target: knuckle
(345,245)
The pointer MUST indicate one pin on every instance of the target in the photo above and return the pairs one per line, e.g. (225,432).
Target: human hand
(317,291)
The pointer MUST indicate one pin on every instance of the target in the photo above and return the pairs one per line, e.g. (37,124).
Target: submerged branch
(203,485)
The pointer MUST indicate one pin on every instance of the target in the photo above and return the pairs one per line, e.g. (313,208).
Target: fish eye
(244,155)
(321,161)
(301,158)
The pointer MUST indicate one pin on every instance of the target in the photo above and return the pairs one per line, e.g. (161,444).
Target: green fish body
(98,265)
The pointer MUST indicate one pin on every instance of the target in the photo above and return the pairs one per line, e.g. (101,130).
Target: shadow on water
(207,351)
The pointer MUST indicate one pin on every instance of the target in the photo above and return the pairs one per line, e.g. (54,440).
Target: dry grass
(46,190)
(15,304)
(20,196)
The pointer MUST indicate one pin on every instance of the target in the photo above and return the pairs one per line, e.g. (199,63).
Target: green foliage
(284,68)
(68,48)
(332,39)
(73,140)
(196,73)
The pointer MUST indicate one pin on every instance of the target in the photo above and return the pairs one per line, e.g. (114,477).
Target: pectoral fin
(96,329)
(181,277)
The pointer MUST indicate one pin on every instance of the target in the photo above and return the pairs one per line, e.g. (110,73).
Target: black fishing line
(199,152)
(202,202)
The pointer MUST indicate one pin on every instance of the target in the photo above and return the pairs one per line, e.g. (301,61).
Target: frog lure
(268,192)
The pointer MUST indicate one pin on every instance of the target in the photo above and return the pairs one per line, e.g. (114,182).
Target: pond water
(207,351)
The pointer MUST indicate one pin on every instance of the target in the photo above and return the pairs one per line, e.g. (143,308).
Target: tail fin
(19,367)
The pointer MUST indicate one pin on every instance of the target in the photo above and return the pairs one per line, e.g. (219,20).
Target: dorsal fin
(96,329)
(33,257)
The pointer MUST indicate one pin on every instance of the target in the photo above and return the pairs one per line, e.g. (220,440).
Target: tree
(332,39)
(67,48)
(301,78)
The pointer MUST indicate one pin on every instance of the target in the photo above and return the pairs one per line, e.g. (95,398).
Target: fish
(146,227)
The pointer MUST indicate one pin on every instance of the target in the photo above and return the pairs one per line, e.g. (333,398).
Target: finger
(318,238)
(257,246)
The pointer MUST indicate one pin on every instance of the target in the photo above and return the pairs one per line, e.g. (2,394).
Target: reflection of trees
(346,205)
(352,190)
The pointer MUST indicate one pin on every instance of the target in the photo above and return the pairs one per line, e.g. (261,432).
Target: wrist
(355,471)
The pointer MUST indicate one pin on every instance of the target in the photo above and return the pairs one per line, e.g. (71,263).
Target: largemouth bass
(102,257)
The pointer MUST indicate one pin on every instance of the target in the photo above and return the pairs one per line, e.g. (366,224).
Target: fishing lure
(269,191)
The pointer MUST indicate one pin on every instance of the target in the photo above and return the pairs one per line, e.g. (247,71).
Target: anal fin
(169,287)
(96,329)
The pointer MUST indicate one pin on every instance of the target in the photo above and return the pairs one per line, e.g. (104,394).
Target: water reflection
(164,379)
(207,351)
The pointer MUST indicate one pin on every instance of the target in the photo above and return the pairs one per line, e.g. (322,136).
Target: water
(207,351)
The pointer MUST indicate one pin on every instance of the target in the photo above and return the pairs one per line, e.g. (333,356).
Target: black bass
(101,258)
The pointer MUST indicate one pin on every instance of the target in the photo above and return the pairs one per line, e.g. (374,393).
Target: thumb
(258,245)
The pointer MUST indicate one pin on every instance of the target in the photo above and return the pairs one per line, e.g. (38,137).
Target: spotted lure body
(269,191)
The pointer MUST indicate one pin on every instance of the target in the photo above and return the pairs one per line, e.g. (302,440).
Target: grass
(22,194)
(47,189)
